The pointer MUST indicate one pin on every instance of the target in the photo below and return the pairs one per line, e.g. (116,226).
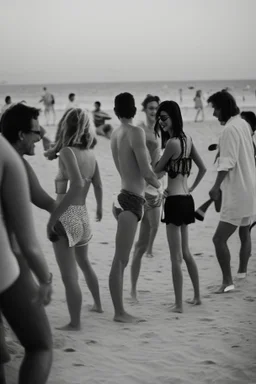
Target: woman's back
(179,166)
(84,164)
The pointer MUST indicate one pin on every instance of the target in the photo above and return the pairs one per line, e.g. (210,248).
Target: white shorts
(238,222)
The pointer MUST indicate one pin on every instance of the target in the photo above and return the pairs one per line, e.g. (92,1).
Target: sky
(70,41)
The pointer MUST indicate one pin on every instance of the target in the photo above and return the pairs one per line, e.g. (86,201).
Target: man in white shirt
(236,179)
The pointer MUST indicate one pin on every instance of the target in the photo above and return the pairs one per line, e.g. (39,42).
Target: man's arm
(39,197)
(138,142)
(229,148)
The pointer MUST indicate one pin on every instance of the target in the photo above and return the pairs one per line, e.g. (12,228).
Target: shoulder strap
(76,161)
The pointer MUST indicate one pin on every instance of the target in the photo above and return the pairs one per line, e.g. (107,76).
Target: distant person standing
(71,101)
(48,101)
(99,118)
(181,95)
(199,105)
(8,103)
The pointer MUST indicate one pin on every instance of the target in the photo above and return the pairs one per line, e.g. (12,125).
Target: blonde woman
(69,225)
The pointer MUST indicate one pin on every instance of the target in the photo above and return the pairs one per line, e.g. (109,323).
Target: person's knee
(69,280)
(140,248)
(244,234)
(186,255)
(176,259)
(217,239)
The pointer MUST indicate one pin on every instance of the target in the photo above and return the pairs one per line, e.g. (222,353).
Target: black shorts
(179,210)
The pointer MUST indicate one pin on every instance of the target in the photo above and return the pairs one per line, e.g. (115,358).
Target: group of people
(143,154)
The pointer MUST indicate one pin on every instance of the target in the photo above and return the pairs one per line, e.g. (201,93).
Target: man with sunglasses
(20,126)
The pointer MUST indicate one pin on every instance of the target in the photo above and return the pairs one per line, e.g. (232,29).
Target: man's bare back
(128,144)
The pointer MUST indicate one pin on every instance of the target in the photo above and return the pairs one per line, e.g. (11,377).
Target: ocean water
(87,93)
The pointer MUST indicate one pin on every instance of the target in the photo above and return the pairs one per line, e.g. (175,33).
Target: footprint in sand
(104,242)
(158,271)
(143,291)
(206,319)
(208,362)
(198,254)
(249,298)
(58,343)
(69,350)
(89,342)
(148,335)
(78,365)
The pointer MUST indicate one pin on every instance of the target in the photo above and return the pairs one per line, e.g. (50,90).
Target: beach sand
(211,343)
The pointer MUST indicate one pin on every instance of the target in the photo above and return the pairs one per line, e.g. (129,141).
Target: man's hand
(99,214)
(214,193)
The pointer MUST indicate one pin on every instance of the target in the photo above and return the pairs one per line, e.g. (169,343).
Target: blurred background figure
(199,105)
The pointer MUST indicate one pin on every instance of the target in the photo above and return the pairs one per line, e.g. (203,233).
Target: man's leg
(29,322)
(154,220)
(140,249)
(220,238)
(126,230)
(246,248)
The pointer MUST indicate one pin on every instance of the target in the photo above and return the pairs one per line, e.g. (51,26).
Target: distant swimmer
(199,105)
(99,118)
(8,103)
(181,95)
(48,101)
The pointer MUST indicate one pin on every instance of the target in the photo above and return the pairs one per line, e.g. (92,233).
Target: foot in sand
(95,308)
(176,308)
(69,327)
(134,297)
(126,318)
(224,288)
(195,301)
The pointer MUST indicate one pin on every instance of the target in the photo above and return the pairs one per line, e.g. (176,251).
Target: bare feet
(241,275)
(126,318)
(69,327)
(134,296)
(225,288)
(95,308)
(195,301)
(176,308)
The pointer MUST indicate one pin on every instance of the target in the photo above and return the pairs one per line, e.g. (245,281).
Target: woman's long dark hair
(173,110)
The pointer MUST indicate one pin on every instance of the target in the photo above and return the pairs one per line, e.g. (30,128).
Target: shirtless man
(128,145)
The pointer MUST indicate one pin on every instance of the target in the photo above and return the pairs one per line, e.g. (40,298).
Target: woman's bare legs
(67,264)
(174,240)
(191,265)
(89,275)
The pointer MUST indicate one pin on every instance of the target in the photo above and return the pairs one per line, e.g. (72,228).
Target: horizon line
(3,82)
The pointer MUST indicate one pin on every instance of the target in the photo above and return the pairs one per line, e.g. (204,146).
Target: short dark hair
(15,119)
(97,103)
(8,98)
(71,95)
(173,111)
(125,106)
(226,103)
(250,117)
(148,99)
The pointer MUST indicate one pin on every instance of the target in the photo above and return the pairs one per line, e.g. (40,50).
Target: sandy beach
(211,343)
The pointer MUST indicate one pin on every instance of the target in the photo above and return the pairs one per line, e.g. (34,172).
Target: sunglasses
(36,132)
(163,117)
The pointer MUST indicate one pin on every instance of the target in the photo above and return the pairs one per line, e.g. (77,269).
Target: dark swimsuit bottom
(129,201)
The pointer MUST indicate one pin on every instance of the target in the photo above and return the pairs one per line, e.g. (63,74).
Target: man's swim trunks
(128,201)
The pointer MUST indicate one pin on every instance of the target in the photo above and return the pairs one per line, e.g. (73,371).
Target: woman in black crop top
(179,210)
